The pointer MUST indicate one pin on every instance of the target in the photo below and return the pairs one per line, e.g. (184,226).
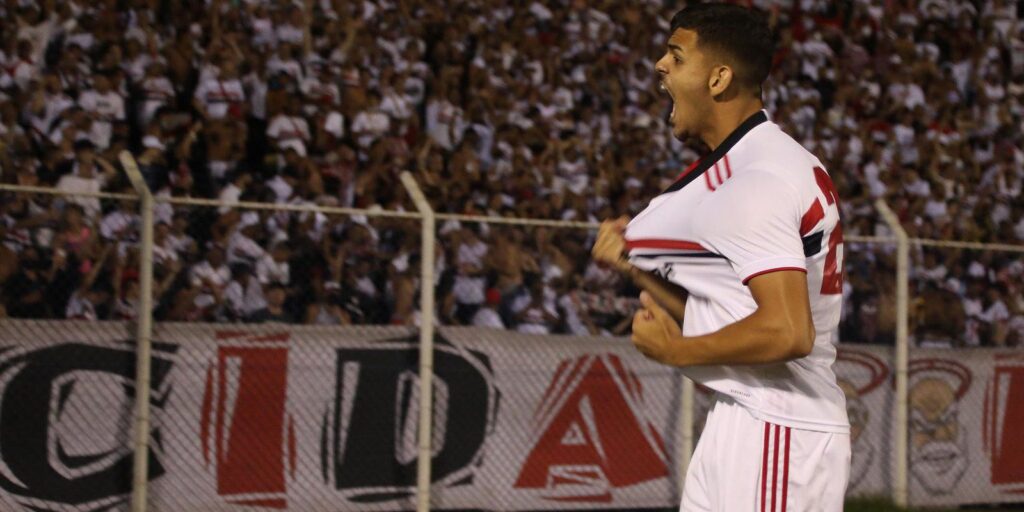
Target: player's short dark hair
(736,33)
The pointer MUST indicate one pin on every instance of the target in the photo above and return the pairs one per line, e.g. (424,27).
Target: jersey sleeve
(754,222)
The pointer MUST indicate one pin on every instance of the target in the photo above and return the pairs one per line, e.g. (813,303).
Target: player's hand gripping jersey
(759,203)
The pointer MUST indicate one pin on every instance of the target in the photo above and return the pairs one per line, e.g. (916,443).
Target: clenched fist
(610,246)
(654,330)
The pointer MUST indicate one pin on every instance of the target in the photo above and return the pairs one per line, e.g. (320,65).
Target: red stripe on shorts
(764,467)
(775,466)
(785,473)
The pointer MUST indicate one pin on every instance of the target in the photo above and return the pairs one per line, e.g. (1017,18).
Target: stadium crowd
(499,107)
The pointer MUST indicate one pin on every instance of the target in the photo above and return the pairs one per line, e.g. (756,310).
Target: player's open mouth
(665,89)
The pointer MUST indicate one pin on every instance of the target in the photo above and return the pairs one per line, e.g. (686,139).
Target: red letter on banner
(244,418)
(589,436)
(1004,412)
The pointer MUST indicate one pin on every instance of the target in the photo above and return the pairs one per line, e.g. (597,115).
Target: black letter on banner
(370,431)
(49,410)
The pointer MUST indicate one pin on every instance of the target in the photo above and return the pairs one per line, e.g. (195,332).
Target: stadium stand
(511,108)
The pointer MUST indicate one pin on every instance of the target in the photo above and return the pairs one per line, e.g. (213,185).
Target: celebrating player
(745,251)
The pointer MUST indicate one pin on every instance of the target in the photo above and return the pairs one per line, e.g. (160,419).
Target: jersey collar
(705,163)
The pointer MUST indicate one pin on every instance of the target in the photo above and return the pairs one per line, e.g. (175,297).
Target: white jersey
(758,203)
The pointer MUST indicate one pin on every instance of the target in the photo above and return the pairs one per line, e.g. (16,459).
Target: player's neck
(726,118)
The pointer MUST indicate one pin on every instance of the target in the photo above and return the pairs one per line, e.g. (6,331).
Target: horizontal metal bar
(26,189)
(249,205)
(519,221)
(955,244)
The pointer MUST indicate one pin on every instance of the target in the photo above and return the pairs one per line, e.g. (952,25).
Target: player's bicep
(782,300)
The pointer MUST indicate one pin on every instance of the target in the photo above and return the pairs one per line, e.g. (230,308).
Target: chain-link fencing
(965,374)
(69,297)
(539,401)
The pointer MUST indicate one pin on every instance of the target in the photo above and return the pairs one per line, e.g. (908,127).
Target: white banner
(964,408)
(310,418)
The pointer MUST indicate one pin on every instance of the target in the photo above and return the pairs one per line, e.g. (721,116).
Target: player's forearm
(760,338)
(669,295)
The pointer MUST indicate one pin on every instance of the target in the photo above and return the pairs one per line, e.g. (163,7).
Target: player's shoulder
(775,150)
(775,153)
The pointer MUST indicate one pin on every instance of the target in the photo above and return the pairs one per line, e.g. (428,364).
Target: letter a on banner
(592,434)
(246,432)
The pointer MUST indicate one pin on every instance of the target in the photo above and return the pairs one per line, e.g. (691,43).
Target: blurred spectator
(498,108)
(487,315)
(274,310)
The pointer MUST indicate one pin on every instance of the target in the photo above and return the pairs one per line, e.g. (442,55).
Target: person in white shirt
(487,315)
(395,101)
(996,315)
(273,267)
(292,31)
(163,253)
(211,276)
(157,91)
(318,88)
(745,251)
(178,239)
(85,178)
(290,129)
(232,192)
(243,296)
(284,61)
(106,107)
(371,123)
(242,246)
(221,96)
(535,310)
(470,281)
(24,68)
(121,225)
(46,108)
(445,122)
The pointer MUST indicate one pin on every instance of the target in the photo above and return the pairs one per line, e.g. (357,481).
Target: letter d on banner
(246,431)
(369,433)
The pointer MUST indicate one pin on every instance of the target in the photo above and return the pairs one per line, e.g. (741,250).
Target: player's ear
(720,79)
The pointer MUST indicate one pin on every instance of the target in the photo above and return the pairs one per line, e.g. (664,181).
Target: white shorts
(743,464)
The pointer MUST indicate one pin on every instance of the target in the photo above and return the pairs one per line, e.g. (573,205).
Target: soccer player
(745,251)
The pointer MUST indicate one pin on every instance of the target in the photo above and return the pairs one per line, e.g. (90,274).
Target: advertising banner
(281,417)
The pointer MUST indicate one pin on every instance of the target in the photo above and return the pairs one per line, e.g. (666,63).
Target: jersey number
(832,279)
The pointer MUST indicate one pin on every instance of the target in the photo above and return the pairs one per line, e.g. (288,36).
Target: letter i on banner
(1004,413)
(247,434)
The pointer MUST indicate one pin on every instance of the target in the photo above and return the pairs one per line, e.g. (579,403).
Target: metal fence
(245,420)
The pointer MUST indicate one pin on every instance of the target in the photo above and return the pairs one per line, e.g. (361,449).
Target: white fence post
(426,343)
(144,333)
(686,424)
(900,488)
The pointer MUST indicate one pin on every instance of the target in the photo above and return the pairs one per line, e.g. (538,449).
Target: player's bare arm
(781,329)
(610,248)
